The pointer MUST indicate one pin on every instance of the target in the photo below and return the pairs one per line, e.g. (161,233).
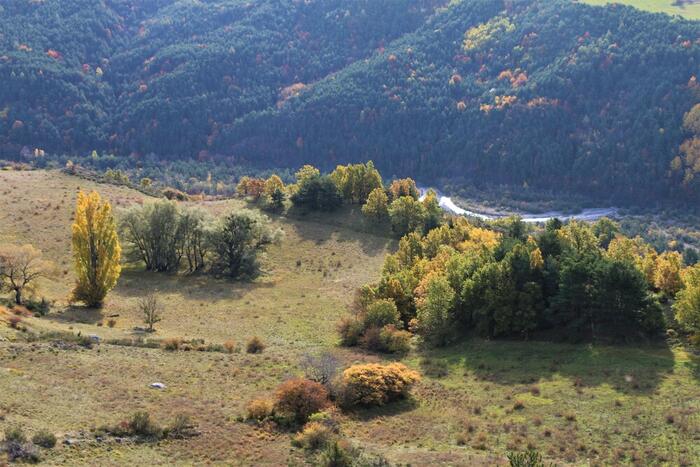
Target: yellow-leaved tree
(96,249)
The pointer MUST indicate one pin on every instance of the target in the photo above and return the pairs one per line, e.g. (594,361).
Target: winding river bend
(591,214)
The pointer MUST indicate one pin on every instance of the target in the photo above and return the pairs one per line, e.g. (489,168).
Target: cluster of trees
(167,237)
(162,235)
(573,281)
(399,204)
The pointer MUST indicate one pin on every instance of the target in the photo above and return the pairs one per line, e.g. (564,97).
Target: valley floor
(576,404)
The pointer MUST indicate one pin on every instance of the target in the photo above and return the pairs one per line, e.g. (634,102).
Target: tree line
(397,205)
(573,281)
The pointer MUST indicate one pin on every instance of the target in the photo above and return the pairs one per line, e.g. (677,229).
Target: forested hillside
(544,94)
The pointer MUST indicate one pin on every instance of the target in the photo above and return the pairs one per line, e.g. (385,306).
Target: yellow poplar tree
(96,249)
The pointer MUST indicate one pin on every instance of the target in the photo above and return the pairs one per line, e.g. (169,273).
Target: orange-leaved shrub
(259,409)
(299,398)
(376,384)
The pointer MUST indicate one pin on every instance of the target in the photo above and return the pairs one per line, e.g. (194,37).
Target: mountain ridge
(601,91)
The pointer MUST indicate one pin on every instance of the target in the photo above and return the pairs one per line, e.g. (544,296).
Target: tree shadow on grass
(78,314)
(633,369)
(134,283)
(344,225)
(393,408)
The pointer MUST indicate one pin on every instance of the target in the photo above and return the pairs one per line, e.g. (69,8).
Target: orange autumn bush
(376,384)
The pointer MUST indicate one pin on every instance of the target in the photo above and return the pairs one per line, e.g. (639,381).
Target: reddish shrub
(299,398)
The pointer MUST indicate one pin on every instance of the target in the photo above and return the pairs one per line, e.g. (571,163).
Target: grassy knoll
(577,404)
(688,9)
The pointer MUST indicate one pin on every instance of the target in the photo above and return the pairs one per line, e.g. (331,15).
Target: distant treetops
(397,204)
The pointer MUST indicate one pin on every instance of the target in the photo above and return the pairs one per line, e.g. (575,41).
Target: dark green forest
(545,95)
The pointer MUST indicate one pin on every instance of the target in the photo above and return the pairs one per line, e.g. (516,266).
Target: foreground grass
(576,404)
(689,9)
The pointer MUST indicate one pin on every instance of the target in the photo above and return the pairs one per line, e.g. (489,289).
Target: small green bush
(335,455)
(381,313)
(395,340)
(142,425)
(314,436)
(44,439)
(350,330)
(15,434)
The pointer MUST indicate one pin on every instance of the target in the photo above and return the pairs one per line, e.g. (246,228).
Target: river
(591,214)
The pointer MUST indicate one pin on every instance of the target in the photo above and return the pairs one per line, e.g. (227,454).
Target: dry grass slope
(606,405)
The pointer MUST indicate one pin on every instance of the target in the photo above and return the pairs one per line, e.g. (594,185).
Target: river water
(591,214)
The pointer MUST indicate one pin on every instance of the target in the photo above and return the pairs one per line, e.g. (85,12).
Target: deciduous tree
(96,249)
(20,267)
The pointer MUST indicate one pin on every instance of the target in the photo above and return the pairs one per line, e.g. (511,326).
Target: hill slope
(579,404)
(544,94)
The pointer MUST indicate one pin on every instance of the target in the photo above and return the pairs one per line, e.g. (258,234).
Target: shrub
(182,427)
(17,447)
(315,435)
(376,384)
(530,458)
(321,368)
(335,455)
(230,346)
(350,330)
(26,452)
(299,398)
(174,194)
(259,409)
(381,313)
(395,340)
(45,439)
(41,308)
(255,345)
(172,343)
(15,434)
(371,339)
(142,425)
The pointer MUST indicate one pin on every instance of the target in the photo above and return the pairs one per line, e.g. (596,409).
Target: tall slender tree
(96,249)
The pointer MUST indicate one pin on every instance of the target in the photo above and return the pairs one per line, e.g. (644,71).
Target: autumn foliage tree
(96,249)
(403,187)
(377,206)
(20,267)
(687,305)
